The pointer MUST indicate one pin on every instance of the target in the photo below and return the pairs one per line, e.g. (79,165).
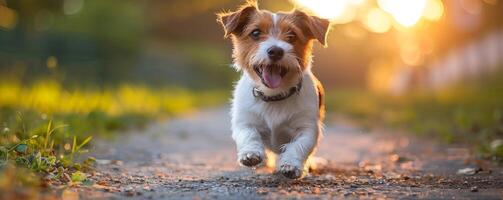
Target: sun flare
(329,9)
(406,13)
(403,13)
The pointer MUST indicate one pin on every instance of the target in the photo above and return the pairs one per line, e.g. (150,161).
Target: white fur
(290,127)
(274,19)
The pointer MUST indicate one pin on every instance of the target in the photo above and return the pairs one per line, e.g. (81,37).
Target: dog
(277,103)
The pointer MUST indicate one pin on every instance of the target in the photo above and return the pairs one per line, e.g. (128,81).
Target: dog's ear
(234,22)
(314,27)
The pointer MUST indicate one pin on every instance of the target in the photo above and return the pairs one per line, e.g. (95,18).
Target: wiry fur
(292,127)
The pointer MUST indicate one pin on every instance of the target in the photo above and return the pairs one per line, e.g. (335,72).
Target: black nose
(275,53)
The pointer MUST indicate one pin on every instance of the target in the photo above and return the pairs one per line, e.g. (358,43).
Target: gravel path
(193,157)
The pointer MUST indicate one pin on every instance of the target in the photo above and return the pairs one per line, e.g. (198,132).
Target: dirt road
(194,158)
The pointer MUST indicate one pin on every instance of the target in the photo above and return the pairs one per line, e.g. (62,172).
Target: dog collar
(282,96)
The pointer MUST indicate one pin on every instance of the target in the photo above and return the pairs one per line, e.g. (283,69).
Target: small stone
(467,171)
(474,189)
(262,191)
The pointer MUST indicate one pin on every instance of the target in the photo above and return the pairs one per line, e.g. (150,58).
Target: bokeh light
(406,13)
(377,21)
(71,7)
(434,10)
(52,62)
(374,14)
(8,18)
(325,8)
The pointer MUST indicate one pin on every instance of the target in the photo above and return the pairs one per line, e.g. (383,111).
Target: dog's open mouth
(271,75)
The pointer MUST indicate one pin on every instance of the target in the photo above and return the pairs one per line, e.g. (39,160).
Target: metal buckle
(256,92)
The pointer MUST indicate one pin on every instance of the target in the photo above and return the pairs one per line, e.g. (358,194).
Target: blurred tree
(93,39)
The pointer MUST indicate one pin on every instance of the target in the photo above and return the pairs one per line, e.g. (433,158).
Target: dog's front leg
(292,159)
(249,144)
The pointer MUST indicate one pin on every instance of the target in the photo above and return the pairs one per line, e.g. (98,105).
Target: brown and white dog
(278,102)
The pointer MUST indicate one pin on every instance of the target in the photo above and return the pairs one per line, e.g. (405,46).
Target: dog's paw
(250,159)
(290,171)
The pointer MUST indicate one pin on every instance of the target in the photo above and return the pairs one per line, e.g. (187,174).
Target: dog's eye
(255,34)
(291,37)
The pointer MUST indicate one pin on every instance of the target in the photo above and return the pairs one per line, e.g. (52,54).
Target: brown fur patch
(321,98)
(296,24)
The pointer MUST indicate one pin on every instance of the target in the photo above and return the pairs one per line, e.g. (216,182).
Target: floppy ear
(234,22)
(315,27)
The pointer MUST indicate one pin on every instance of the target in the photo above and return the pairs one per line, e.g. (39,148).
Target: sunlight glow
(329,9)
(434,10)
(473,7)
(375,17)
(357,2)
(380,74)
(377,21)
(406,13)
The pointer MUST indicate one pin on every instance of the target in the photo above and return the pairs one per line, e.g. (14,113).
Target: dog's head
(274,49)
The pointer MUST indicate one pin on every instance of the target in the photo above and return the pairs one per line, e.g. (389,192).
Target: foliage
(45,129)
(471,113)
(40,148)
(50,97)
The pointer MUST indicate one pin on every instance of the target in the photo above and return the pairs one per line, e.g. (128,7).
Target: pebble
(474,189)
(262,191)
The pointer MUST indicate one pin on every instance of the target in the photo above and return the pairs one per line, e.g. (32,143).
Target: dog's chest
(291,112)
(277,124)
(278,114)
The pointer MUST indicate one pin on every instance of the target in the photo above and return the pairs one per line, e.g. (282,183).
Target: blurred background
(381,45)
(430,67)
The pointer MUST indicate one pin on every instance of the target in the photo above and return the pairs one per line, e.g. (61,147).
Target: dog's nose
(275,53)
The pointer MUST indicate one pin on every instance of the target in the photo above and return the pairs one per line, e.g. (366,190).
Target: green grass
(46,129)
(40,151)
(470,113)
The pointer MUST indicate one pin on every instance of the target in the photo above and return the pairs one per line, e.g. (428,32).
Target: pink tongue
(272,79)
